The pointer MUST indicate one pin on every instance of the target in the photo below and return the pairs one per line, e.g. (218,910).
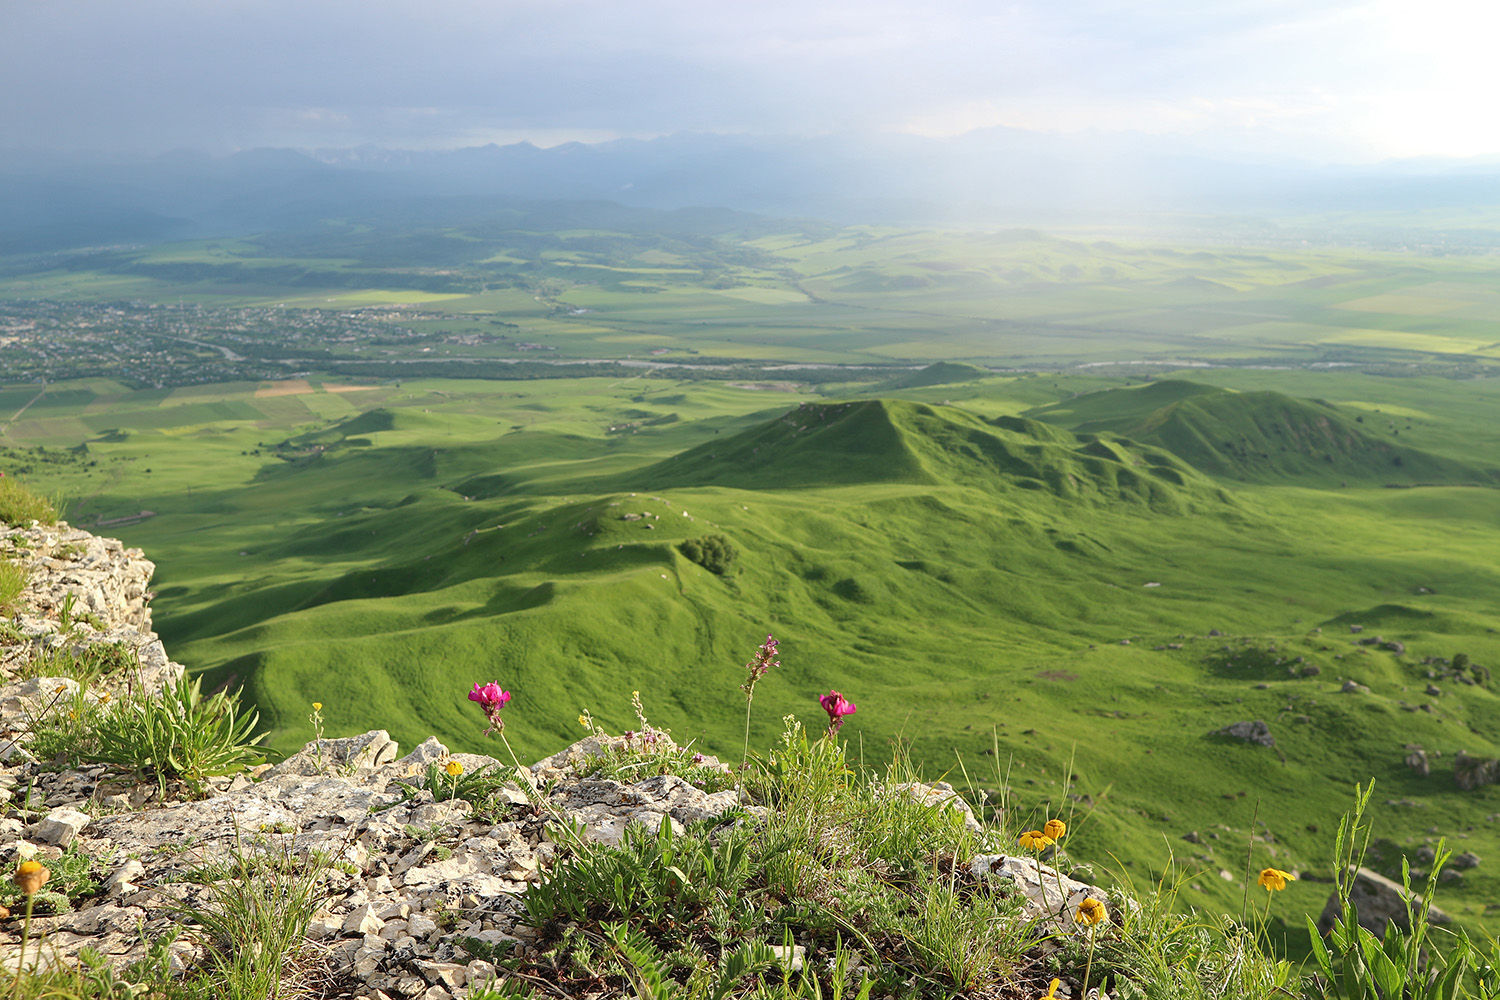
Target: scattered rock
(1354,687)
(1470,773)
(1251,732)
(1418,762)
(1049,896)
(60,826)
(940,795)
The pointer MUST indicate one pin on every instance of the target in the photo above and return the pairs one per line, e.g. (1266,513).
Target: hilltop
(1259,436)
(896,441)
(939,373)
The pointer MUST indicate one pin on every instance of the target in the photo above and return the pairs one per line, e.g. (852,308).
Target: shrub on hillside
(713,552)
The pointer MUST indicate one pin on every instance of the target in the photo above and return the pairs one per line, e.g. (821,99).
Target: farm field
(771,293)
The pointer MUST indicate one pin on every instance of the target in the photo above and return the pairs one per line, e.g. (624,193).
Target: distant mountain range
(993,176)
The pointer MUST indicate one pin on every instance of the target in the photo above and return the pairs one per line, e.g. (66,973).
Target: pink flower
(492,700)
(697,758)
(837,706)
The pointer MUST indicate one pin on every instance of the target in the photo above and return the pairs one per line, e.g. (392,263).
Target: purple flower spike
(765,659)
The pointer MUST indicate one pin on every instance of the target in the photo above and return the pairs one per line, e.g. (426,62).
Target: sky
(1314,80)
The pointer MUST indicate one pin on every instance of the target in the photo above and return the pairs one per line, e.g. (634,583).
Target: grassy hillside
(1260,436)
(967,575)
(894,441)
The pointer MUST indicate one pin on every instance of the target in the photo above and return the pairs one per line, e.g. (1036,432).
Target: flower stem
(523,773)
(739,779)
(25,939)
(1249,858)
(1088,966)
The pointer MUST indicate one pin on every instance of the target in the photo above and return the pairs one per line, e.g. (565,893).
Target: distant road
(6,426)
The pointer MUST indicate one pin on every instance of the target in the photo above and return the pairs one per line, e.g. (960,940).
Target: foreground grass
(830,881)
(20,505)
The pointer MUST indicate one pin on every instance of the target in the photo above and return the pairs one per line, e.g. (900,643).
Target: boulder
(1470,773)
(939,795)
(1048,896)
(1251,732)
(1418,762)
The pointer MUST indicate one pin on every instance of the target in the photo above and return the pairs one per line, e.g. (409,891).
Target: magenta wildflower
(697,758)
(837,706)
(629,735)
(491,699)
(765,659)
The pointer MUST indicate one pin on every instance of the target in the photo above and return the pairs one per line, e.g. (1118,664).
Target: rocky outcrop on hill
(86,598)
(421,893)
(1470,773)
(1250,731)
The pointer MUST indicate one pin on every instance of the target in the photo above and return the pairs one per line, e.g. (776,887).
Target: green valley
(1061,509)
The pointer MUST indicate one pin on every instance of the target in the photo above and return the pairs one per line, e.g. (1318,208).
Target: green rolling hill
(896,441)
(1260,436)
(940,373)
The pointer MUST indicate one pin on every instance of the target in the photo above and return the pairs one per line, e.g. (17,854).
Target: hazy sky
(1321,79)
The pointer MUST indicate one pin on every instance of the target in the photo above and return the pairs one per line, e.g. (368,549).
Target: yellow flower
(1091,911)
(1056,829)
(317,706)
(583,720)
(1051,991)
(1035,840)
(1274,879)
(454,768)
(31,876)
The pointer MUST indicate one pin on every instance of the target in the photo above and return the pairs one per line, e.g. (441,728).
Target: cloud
(154,74)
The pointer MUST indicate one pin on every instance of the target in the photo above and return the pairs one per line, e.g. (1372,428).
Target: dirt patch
(767,386)
(348,388)
(289,387)
(1056,675)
